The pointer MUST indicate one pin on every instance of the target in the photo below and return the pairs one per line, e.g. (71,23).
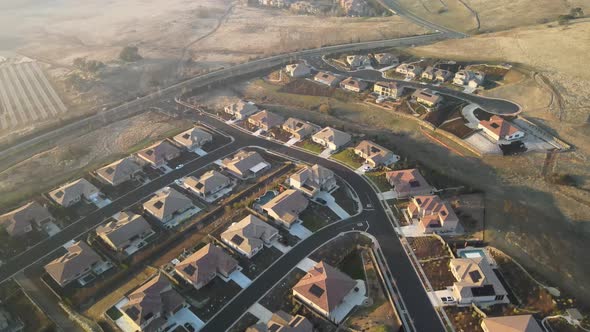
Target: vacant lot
(70,159)
(475,16)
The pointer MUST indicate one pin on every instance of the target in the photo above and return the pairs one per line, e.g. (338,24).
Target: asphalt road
(490,105)
(416,300)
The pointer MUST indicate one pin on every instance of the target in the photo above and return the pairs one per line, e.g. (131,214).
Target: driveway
(435,296)
(260,312)
(326,153)
(387,195)
(306,264)
(467,113)
(292,141)
(300,231)
(240,279)
(331,203)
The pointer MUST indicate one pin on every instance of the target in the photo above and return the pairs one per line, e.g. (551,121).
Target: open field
(72,159)
(544,226)
(26,96)
(475,16)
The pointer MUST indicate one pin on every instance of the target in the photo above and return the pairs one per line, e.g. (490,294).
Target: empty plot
(26,95)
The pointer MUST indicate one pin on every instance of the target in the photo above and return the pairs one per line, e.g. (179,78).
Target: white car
(180,166)
(448,300)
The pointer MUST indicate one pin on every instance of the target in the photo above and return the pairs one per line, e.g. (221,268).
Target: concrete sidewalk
(47,302)
(260,312)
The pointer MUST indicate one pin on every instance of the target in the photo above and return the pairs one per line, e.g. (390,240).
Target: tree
(576,12)
(325,109)
(130,54)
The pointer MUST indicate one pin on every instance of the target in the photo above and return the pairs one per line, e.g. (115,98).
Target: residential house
(386,59)
(73,192)
(245,164)
(326,78)
(298,70)
(355,61)
(428,73)
(324,288)
(374,154)
(312,179)
(476,282)
(389,89)
(127,229)
(286,207)
(208,184)
(305,7)
(20,221)
(118,172)
(427,97)
(354,7)
(408,182)
(353,84)
(281,321)
(78,263)
(500,129)
(193,138)
(208,262)
(518,323)
(167,204)
(158,154)
(266,120)
(331,138)
(241,109)
(411,71)
(469,77)
(300,129)
(249,235)
(442,75)
(151,305)
(433,214)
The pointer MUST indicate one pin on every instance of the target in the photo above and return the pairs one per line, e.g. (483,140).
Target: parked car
(189,327)
(321,201)
(448,300)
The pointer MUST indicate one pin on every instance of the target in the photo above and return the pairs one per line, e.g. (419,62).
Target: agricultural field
(26,95)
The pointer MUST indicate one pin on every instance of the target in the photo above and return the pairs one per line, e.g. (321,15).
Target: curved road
(490,105)
(416,301)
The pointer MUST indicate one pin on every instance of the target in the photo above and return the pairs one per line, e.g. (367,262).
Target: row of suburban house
(476,282)
(22,220)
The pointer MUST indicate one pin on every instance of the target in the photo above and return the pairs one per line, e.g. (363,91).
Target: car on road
(180,166)
(189,327)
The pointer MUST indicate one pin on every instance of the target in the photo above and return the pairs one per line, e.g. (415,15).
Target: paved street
(415,297)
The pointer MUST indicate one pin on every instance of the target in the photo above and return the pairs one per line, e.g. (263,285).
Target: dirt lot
(71,159)
(542,225)
(476,16)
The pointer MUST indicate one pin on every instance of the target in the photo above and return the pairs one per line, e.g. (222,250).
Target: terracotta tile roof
(17,221)
(407,180)
(520,323)
(326,78)
(373,151)
(353,83)
(208,260)
(325,286)
(241,108)
(499,126)
(433,210)
(427,95)
(314,176)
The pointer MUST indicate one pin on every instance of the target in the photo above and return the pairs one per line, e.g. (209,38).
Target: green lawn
(352,265)
(349,158)
(378,178)
(312,221)
(311,146)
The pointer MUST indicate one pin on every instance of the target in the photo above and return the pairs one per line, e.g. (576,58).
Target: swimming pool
(471,253)
(266,197)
